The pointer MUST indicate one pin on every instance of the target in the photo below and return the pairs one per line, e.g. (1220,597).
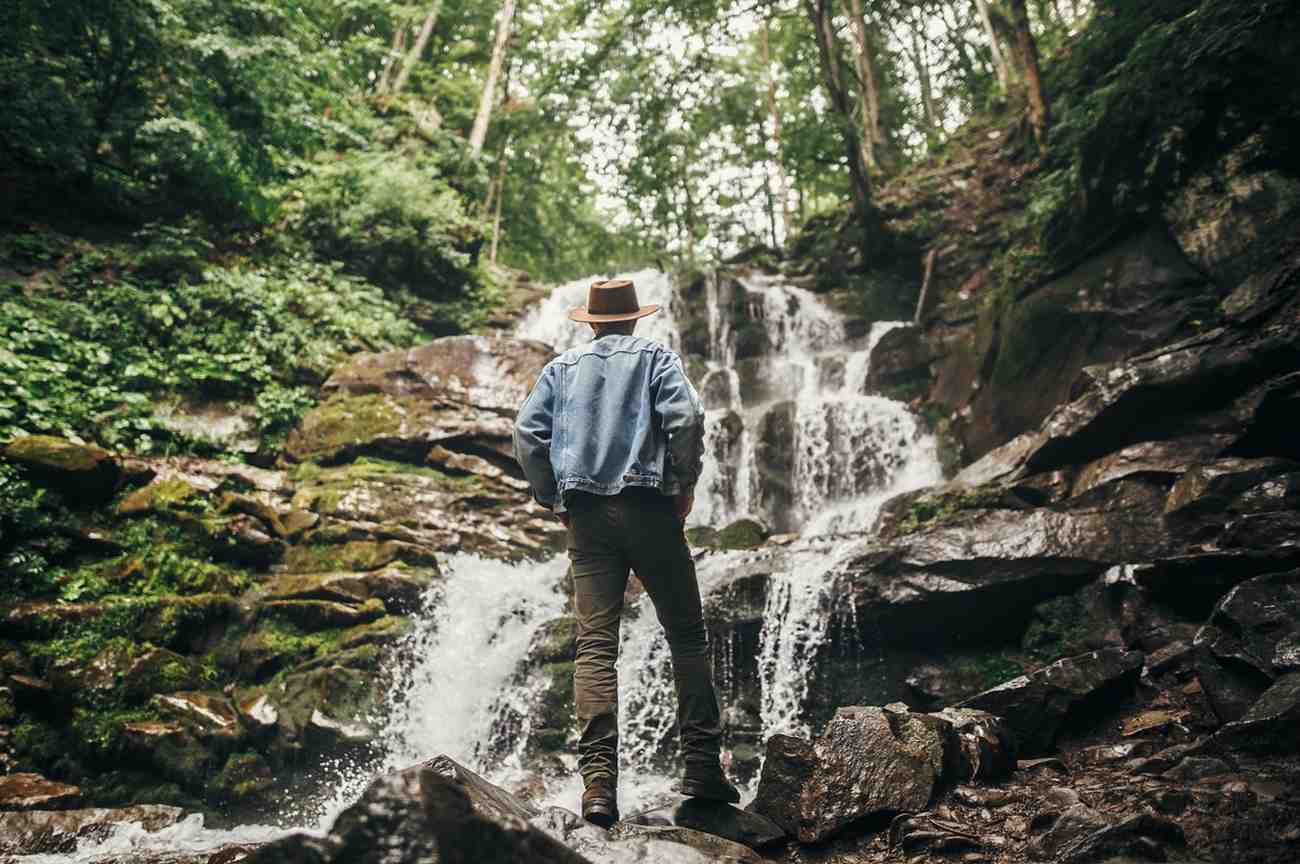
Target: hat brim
(581,314)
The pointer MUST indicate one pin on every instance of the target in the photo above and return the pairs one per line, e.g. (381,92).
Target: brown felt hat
(613,300)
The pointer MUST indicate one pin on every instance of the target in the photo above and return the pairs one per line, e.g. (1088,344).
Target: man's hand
(682,505)
(563,517)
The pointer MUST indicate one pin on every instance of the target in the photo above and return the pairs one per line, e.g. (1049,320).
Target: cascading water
(791,440)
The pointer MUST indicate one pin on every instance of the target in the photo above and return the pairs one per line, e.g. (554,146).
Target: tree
(403,69)
(479,133)
(821,15)
(1026,50)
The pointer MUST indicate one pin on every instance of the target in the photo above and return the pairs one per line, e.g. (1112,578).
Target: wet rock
(742,534)
(173,751)
(456,391)
(867,760)
(1197,768)
(59,831)
(1171,457)
(359,555)
(1062,827)
(435,811)
(163,495)
(400,589)
(963,576)
(1145,837)
(84,474)
(161,671)
(718,819)
(314,615)
(1253,620)
(901,357)
(1036,706)
(1271,725)
(1218,486)
(209,715)
(375,501)
(34,792)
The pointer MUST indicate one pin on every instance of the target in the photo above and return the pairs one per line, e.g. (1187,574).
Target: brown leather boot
(600,803)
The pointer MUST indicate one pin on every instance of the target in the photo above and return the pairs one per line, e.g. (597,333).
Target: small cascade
(549,321)
(462,659)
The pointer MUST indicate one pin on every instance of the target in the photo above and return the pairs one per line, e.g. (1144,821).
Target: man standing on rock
(611,439)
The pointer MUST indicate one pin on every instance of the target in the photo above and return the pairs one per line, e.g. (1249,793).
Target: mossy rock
(163,497)
(315,615)
(742,534)
(162,671)
(555,641)
(245,777)
(702,535)
(356,555)
(344,424)
(554,709)
(8,708)
(82,473)
(384,631)
(35,745)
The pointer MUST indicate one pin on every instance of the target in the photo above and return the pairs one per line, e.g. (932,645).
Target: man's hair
(622,327)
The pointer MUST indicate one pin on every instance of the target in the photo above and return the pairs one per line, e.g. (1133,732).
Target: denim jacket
(617,412)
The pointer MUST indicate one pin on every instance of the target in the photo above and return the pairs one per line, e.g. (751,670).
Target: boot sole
(601,815)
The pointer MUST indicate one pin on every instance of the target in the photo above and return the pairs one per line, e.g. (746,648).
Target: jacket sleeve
(679,410)
(533,428)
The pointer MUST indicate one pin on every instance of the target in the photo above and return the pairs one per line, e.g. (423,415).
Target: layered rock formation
(218,629)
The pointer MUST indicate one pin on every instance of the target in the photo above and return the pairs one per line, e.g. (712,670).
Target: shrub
(392,220)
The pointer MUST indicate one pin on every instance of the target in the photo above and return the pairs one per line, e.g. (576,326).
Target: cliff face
(1171,180)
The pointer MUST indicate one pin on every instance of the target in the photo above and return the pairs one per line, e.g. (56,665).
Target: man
(611,439)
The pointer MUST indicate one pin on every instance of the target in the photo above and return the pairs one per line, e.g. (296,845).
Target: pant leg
(662,560)
(599,570)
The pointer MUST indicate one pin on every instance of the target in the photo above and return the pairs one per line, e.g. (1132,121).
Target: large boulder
(974,575)
(871,761)
(86,475)
(1038,705)
(422,509)
(460,392)
(441,811)
(34,792)
(1252,638)
(51,832)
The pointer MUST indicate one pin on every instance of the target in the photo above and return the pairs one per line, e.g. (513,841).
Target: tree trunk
(417,50)
(868,91)
(1027,55)
(783,181)
(479,133)
(820,14)
(395,54)
(1000,66)
(921,61)
(501,195)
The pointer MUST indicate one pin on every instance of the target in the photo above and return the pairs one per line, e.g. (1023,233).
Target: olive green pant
(608,535)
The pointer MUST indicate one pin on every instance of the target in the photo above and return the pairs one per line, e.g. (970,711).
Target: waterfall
(462,657)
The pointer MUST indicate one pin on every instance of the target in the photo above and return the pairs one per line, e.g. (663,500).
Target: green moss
(244,776)
(742,534)
(98,732)
(36,745)
(163,497)
(939,507)
(344,421)
(47,451)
